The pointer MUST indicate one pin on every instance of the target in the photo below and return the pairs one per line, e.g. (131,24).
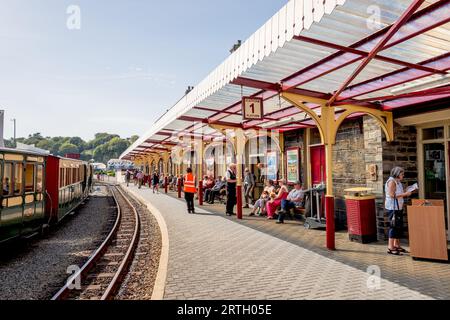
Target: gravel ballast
(38,269)
(139,283)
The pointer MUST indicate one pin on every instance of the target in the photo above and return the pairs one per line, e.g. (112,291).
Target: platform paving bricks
(215,257)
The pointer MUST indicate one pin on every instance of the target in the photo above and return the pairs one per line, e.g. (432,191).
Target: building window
(315,137)
(435,186)
(433,133)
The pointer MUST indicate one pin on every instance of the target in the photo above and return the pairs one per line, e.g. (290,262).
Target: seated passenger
(272,205)
(293,200)
(216,190)
(208,187)
(6,186)
(260,204)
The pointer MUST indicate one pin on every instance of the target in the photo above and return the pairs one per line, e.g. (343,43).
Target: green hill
(102,148)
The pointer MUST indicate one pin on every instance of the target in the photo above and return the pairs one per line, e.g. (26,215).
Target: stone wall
(348,165)
(361,144)
(401,152)
(373,155)
(348,158)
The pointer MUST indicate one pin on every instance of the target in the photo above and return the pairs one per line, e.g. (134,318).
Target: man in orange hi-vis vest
(189,190)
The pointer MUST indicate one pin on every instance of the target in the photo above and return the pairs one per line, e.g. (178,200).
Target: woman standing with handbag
(394,206)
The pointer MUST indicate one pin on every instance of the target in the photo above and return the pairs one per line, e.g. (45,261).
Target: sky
(129,61)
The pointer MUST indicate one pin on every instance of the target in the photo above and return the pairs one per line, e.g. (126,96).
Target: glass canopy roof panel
(158,137)
(178,125)
(227,96)
(294,56)
(332,81)
(422,47)
(200,113)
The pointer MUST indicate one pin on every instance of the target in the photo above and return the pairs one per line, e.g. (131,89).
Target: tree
(67,148)
(102,148)
(87,155)
(45,144)
(99,153)
(78,142)
(9,143)
(101,138)
(133,139)
(116,146)
(34,139)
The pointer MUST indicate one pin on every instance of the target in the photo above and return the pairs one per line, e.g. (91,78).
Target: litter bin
(361,217)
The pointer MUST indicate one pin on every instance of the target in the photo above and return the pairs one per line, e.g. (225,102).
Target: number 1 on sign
(253,107)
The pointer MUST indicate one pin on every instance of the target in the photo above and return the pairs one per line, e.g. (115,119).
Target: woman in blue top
(394,206)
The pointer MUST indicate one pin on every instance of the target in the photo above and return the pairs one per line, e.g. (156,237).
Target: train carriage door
(31,221)
(12,201)
(318,170)
(39,191)
(84,177)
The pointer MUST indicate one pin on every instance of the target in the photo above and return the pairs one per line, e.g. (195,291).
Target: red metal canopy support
(397,25)
(418,24)
(428,92)
(366,54)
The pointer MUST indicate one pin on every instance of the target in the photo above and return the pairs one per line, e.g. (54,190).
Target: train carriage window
(66,177)
(70,176)
(74,175)
(39,178)
(29,178)
(18,178)
(61,177)
(7,180)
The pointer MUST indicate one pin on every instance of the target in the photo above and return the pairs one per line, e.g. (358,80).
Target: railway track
(101,276)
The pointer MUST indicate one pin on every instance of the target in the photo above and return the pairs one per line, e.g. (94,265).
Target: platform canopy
(384,54)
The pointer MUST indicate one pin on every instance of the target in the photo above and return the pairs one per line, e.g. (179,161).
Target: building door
(318,169)
(434,171)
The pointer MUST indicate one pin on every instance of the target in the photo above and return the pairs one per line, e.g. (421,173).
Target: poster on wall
(293,168)
(272,165)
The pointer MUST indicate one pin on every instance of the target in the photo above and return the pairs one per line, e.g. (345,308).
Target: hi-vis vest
(189,183)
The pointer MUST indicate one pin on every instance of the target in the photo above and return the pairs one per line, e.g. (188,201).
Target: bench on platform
(298,212)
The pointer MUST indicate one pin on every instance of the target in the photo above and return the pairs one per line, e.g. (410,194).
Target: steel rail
(121,272)
(65,291)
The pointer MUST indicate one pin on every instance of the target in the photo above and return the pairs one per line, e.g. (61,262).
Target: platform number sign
(252,108)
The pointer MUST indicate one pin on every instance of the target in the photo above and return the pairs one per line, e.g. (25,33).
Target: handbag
(394,216)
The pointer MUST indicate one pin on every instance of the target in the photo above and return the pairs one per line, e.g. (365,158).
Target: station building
(329,92)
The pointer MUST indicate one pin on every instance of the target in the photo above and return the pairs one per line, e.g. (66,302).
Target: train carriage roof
(24,152)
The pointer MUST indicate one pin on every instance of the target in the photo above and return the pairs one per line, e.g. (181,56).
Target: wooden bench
(299,211)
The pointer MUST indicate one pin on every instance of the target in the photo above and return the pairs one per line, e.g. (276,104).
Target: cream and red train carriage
(37,190)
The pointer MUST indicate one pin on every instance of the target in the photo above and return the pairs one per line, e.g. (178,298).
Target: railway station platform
(212,256)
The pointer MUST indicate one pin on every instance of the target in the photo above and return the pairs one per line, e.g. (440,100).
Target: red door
(318,170)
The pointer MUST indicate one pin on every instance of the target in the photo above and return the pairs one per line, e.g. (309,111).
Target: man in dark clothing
(231,189)
(128,177)
(249,186)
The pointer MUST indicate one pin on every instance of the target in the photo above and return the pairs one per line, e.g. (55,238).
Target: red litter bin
(361,216)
